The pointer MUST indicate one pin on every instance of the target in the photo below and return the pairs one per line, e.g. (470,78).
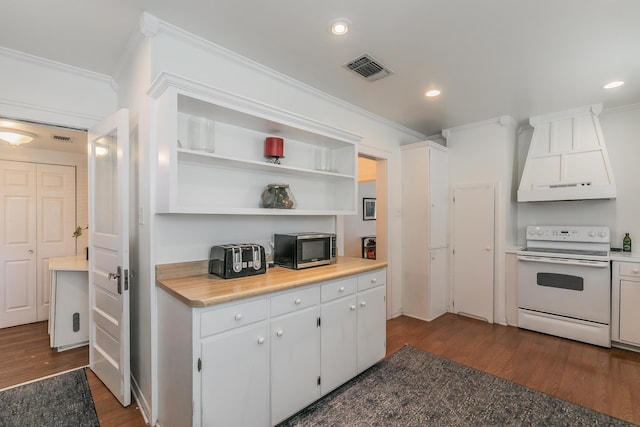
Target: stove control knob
(540,232)
(592,234)
(602,234)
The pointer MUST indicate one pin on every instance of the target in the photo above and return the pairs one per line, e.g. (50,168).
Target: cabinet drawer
(229,317)
(629,269)
(339,288)
(371,280)
(294,300)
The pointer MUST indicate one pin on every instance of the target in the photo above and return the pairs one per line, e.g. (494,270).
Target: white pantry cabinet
(257,361)
(425,195)
(625,322)
(319,164)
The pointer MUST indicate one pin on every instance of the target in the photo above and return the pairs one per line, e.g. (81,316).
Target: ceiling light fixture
(16,137)
(340,26)
(614,84)
(432,93)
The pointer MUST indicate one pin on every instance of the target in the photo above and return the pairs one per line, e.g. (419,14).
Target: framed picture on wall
(368,209)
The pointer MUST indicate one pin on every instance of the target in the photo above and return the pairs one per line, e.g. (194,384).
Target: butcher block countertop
(190,282)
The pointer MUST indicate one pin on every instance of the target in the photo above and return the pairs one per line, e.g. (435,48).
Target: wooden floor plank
(607,380)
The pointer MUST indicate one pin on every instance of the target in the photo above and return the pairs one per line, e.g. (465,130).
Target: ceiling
(489,58)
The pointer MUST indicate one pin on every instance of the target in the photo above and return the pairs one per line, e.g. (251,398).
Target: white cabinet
(319,161)
(258,361)
(338,313)
(625,322)
(295,352)
(69,307)
(235,377)
(371,318)
(425,192)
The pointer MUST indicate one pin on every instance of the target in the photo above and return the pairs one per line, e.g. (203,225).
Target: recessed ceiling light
(612,85)
(432,93)
(340,27)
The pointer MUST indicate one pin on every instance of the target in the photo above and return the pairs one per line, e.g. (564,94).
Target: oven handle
(564,261)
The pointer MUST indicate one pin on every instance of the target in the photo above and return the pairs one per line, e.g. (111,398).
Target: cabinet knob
(363,303)
(636,270)
(341,289)
(280,333)
(298,301)
(30,251)
(374,280)
(261,340)
(353,307)
(238,316)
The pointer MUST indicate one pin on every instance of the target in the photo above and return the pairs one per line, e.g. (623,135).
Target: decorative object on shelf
(78,231)
(368,209)
(323,159)
(201,134)
(626,243)
(278,196)
(274,149)
(369,247)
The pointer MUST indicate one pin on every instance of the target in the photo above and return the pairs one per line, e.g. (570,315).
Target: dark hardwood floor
(25,356)
(607,380)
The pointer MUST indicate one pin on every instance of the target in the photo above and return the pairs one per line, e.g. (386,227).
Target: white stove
(564,285)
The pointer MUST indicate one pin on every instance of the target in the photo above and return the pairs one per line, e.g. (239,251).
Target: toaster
(237,260)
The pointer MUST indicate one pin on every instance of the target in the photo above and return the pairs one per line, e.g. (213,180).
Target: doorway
(45,175)
(365,235)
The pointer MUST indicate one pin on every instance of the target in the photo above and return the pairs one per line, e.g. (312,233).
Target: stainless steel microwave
(303,250)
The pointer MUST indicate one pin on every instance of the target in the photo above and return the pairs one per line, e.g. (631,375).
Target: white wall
(354,226)
(485,152)
(620,128)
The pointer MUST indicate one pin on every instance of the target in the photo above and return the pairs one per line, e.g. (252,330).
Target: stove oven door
(574,288)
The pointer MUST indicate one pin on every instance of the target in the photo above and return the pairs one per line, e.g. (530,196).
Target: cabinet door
(338,338)
(629,315)
(295,362)
(235,378)
(438,282)
(438,197)
(371,327)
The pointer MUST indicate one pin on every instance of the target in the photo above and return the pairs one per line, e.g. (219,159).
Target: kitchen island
(255,350)
(69,304)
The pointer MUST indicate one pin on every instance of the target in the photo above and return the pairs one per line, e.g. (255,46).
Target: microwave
(304,250)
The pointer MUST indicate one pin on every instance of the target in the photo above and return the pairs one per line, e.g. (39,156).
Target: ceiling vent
(368,67)
(61,138)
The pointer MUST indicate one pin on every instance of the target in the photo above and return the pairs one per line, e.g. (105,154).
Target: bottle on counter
(626,243)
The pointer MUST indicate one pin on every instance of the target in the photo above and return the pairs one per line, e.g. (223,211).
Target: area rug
(62,400)
(415,388)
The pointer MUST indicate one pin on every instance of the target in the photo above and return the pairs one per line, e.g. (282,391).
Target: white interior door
(109,254)
(473,251)
(18,238)
(56,219)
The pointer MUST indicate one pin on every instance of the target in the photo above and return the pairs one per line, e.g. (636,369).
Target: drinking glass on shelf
(201,134)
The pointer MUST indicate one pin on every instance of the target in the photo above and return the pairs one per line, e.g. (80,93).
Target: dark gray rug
(415,388)
(63,400)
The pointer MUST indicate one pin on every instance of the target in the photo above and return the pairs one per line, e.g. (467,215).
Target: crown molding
(57,66)
(504,121)
(153,26)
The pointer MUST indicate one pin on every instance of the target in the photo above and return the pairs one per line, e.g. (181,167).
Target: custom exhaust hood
(567,158)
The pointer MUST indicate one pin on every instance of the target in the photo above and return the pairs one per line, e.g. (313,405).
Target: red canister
(273,147)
